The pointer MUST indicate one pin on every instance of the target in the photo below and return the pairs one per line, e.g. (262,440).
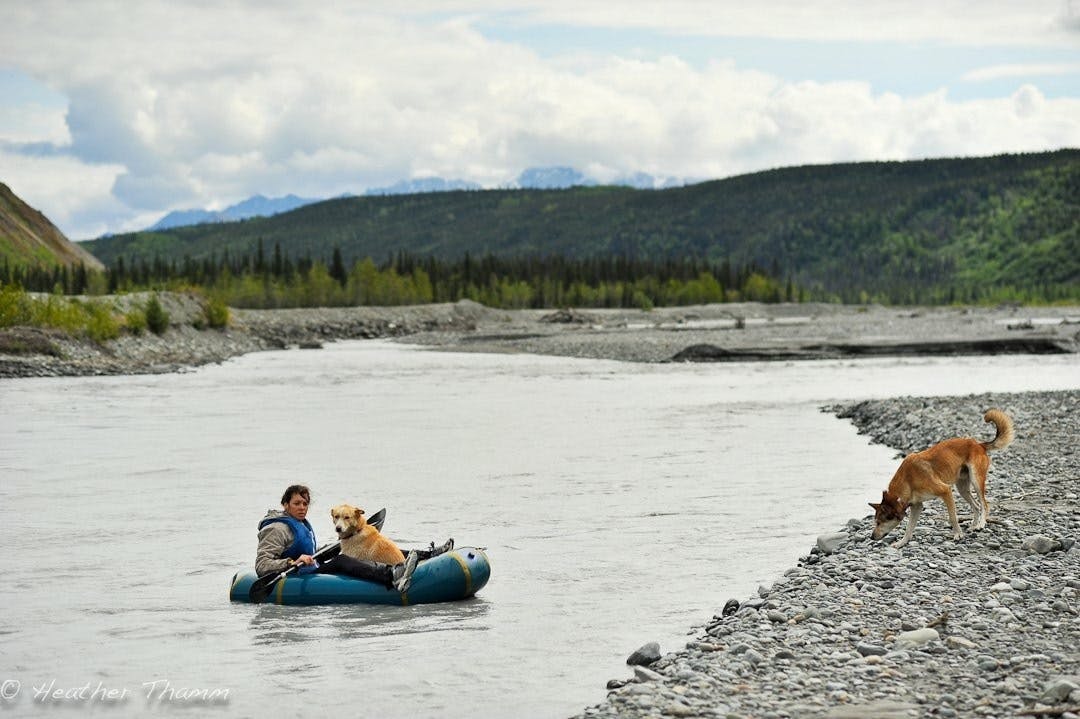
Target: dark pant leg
(359,568)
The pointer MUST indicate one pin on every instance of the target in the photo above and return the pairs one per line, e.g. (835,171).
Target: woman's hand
(304,559)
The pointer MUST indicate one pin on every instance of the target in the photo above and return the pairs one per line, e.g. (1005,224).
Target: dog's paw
(957,536)
(898,544)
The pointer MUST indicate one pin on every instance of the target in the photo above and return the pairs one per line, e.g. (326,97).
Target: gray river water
(619,504)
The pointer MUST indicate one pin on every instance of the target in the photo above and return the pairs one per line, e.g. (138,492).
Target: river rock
(868,650)
(644,674)
(1040,544)
(645,655)
(1059,689)
(829,543)
(959,643)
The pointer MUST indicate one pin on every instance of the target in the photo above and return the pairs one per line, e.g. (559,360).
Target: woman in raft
(286,539)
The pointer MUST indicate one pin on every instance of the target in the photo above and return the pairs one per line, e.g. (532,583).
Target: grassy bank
(98,319)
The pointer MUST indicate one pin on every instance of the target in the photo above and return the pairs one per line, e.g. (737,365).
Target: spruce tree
(337,268)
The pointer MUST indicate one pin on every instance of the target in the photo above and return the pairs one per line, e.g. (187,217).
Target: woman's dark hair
(296,489)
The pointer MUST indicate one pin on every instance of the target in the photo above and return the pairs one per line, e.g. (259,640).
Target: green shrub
(157,319)
(14,306)
(58,311)
(135,321)
(101,323)
(216,313)
(642,301)
(93,319)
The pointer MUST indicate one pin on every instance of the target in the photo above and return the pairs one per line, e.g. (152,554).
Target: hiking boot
(403,572)
(442,548)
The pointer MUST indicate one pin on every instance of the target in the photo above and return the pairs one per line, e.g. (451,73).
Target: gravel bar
(701,333)
(984,627)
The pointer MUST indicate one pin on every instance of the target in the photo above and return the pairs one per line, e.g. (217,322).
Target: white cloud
(953,22)
(73,195)
(1028,101)
(178,105)
(32,123)
(997,72)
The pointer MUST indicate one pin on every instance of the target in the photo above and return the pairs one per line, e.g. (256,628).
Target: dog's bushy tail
(1004,425)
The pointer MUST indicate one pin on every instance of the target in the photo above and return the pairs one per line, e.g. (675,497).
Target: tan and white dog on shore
(361,540)
(933,472)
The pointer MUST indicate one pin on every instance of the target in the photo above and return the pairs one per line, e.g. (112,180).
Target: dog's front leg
(913,517)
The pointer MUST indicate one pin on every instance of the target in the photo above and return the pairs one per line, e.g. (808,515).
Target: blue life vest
(303,536)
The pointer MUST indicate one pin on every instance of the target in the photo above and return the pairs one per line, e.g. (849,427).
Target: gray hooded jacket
(274,539)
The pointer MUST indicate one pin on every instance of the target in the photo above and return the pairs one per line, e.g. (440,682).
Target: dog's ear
(359,515)
(875,506)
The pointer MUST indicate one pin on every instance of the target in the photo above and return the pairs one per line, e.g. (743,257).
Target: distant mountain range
(537,178)
(256,206)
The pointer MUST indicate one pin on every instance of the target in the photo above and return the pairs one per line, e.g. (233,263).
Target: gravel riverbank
(985,627)
(755,331)
(704,333)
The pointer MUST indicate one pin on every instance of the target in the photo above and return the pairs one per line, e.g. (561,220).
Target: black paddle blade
(376,520)
(261,587)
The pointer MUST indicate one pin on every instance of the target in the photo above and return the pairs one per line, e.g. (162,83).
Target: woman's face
(297,507)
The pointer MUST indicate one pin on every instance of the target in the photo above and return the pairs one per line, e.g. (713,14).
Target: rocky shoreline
(985,627)
(704,333)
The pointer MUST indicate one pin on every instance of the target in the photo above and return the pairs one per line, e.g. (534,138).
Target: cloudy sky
(116,111)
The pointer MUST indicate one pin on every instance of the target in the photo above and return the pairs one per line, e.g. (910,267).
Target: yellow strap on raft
(465,569)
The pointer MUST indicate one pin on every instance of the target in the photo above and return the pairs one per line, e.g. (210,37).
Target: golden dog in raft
(361,540)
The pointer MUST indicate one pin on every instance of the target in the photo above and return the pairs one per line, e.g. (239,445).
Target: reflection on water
(619,504)
(271,623)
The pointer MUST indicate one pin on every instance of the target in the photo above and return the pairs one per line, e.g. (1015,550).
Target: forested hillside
(920,231)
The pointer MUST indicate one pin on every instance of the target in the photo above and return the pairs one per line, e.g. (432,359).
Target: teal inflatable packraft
(457,574)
